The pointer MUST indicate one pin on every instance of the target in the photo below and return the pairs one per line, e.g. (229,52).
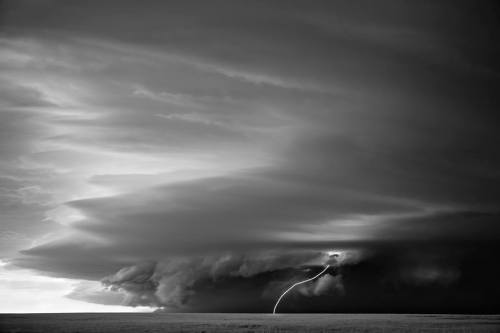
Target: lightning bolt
(296,284)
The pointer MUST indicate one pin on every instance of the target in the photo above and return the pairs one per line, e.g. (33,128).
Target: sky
(202,156)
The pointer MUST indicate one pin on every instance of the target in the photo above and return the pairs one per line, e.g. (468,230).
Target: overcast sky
(173,153)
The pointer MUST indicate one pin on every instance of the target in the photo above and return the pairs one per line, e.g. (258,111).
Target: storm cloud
(178,151)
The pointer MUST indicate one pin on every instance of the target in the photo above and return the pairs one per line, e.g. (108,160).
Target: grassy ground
(160,322)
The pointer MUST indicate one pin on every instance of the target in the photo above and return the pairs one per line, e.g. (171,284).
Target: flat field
(214,322)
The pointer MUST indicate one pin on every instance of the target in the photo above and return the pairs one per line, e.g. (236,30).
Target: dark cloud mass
(182,152)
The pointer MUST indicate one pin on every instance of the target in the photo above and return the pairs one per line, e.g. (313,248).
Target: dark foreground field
(160,322)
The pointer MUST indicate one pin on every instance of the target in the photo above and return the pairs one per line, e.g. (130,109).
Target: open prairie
(159,322)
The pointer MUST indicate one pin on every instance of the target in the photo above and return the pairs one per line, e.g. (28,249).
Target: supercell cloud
(182,152)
